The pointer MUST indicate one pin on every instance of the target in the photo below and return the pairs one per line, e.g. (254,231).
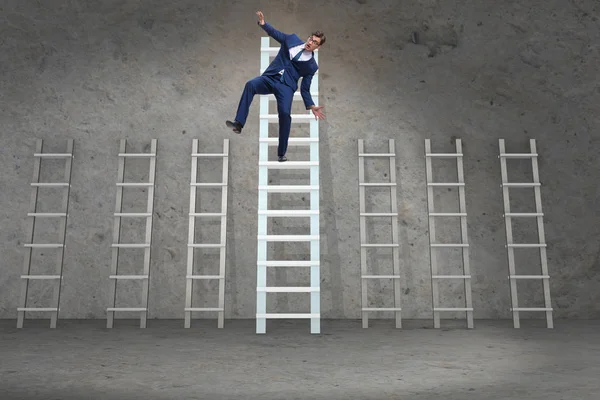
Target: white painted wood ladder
(264,212)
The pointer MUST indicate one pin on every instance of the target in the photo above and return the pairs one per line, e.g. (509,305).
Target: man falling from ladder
(295,60)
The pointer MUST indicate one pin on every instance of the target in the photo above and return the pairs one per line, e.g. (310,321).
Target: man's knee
(284,113)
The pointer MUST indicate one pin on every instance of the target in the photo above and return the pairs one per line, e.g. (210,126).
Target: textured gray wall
(99,71)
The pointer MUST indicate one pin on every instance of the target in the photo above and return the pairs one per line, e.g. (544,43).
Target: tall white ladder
(393,215)
(34,214)
(433,244)
(221,245)
(510,246)
(264,212)
(145,276)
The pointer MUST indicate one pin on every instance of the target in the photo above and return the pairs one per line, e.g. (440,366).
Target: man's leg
(284,95)
(258,85)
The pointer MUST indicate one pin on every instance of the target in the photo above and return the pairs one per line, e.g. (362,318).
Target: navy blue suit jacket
(294,70)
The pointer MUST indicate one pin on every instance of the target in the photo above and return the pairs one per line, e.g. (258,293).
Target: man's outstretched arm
(307,97)
(274,33)
(305,91)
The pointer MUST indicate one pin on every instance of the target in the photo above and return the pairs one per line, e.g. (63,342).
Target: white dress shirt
(307,55)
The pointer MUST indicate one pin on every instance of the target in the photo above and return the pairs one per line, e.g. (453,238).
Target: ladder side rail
(363,235)
(189,282)
(541,235)
(464,235)
(223,249)
(31,234)
(432,253)
(62,233)
(263,174)
(116,233)
(315,244)
(395,240)
(509,235)
(148,235)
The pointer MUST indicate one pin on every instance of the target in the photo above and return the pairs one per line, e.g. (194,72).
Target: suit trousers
(284,96)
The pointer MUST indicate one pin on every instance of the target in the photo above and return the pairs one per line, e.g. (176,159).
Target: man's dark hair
(321,36)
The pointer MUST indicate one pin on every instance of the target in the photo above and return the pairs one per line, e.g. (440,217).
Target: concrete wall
(101,71)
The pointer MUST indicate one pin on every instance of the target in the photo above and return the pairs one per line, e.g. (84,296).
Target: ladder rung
(288,263)
(42,309)
(50,184)
(53,155)
(526,245)
(376,154)
(445,184)
(207,214)
(44,245)
(443,154)
(206,245)
(531,309)
(129,277)
(126,309)
(382,309)
(203,309)
(381,277)
(288,164)
(208,184)
(210,155)
(288,238)
(132,214)
(518,155)
(288,213)
(449,245)
(380,245)
(46,214)
(137,154)
(453,309)
(521,184)
(41,277)
(524,214)
(296,118)
(451,276)
(289,188)
(206,277)
(448,214)
(130,245)
(287,289)
(297,141)
(379,214)
(289,316)
(377,184)
(134,184)
(529,277)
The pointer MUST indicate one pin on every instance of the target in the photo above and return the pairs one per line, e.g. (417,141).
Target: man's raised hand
(261,18)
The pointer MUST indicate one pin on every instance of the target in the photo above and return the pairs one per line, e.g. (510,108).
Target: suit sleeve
(305,91)
(274,33)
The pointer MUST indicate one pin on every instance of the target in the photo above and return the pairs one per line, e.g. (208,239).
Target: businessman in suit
(294,60)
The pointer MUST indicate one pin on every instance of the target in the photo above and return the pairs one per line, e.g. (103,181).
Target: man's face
(312,43)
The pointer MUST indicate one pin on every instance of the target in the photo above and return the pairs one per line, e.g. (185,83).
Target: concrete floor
(84,360)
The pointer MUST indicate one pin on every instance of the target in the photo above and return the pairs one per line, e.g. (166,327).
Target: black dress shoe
(236,126)
(282,159)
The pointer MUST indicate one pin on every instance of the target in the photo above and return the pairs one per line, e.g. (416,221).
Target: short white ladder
(57,277)
(146,246)
(510,246)
(221,245)
(264,213)
(433,244)
(364,245)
